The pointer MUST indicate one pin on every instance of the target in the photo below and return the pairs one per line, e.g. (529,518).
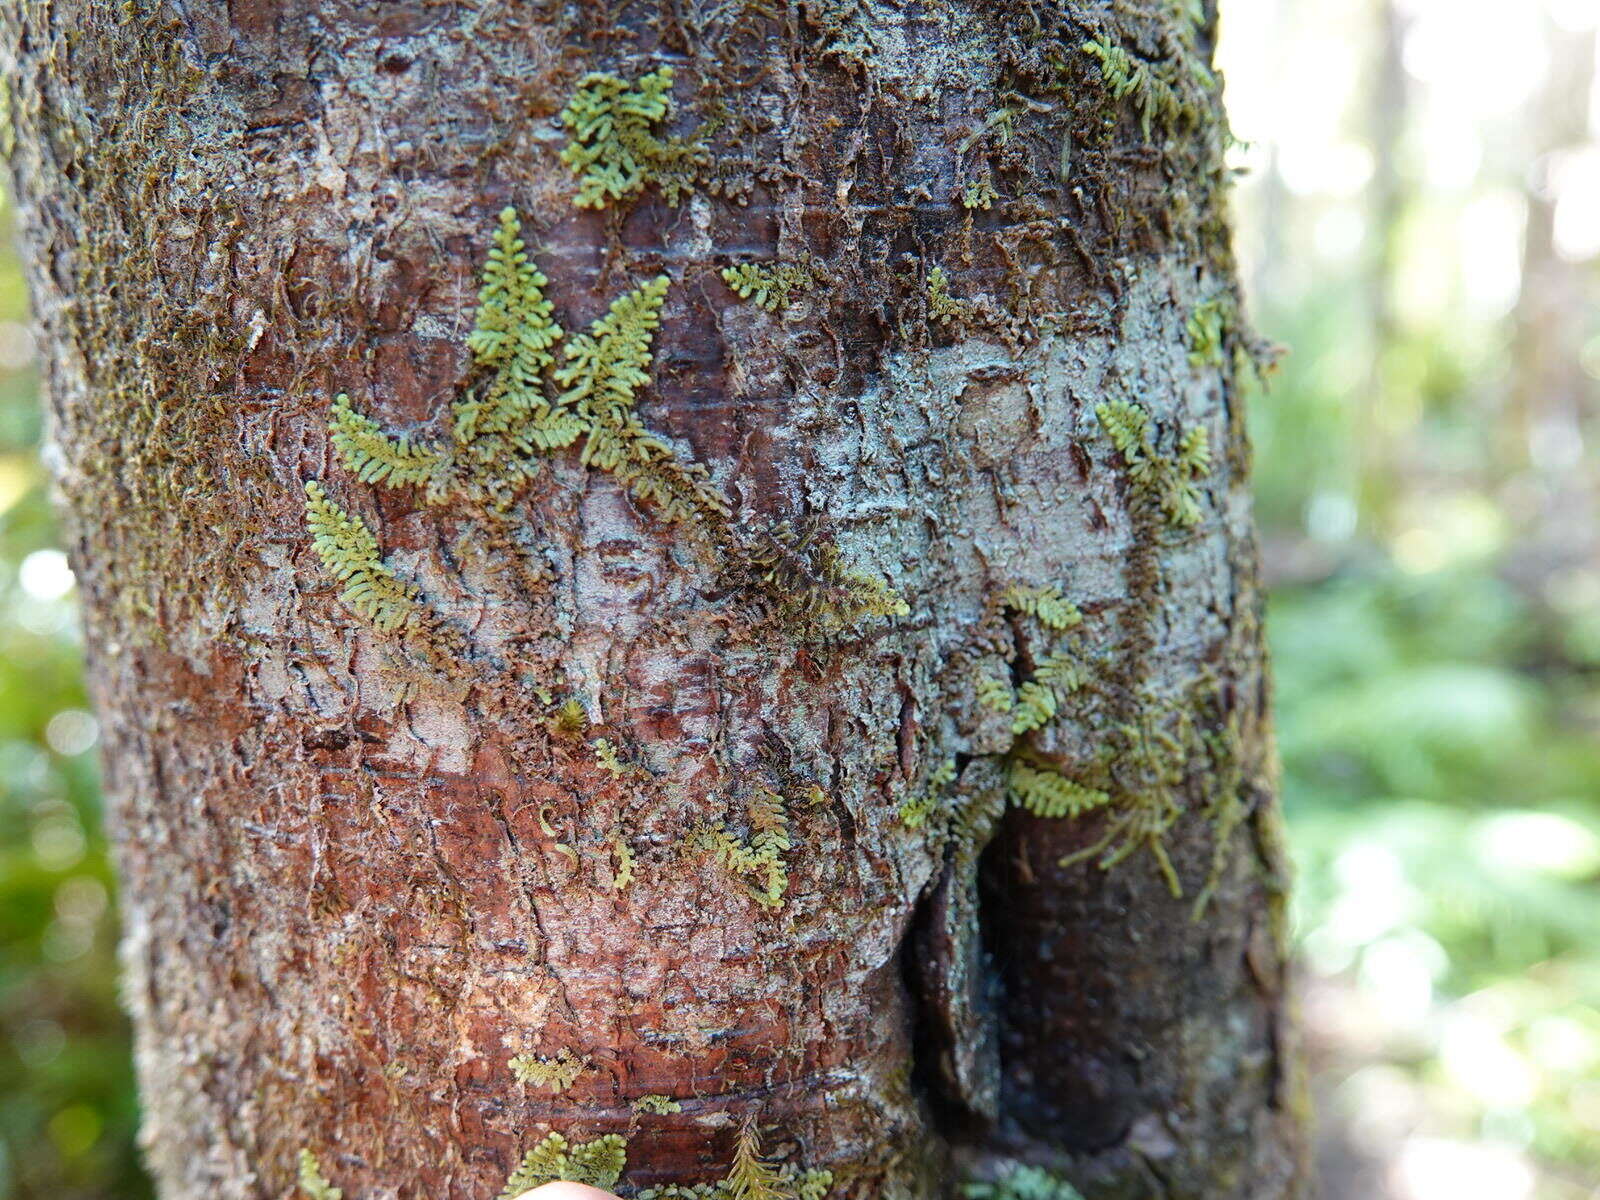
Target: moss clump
(614,149)
(845,30)
(570,719)
(811,586)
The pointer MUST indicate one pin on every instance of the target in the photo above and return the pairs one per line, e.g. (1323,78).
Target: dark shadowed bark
(833,719)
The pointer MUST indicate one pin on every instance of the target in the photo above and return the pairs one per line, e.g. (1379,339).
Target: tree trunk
(814,720)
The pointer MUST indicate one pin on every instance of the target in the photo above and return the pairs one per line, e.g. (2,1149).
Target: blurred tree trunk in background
(1539,457)
(1380,425)
(1548,382)
(892,788)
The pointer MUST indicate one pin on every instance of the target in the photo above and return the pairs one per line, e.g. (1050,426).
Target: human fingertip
(566,1191)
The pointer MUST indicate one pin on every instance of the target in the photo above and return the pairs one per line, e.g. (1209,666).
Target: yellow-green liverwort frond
(769,285)
(1128,426)
(761,857)
(1047,793)
(607,365)
(545,1163)
(1154,95)
(1060,672)
(1170,483)
(942,306)
(915,811)
(607,754)
(511,341)
(1046,605)
(504,414)
(604,369)
(558,1073)
(1194,452)
(515,325)
(312,1182)
(1181,501)
(809,1185)
(768,815)
(995,693)
(1208,326)
(1037,706)
(376,457)
(599,1163)
(979,193)
(349,551)
(973,820)
(656,1103)
(623,876)
(612,148)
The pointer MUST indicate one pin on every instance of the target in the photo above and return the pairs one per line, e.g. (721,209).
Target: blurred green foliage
(1418,231)
(1441,794)
(67,1114)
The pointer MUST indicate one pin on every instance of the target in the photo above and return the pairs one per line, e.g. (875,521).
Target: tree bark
(957,537)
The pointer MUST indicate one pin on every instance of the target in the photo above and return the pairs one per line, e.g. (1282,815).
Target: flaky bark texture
(376,855)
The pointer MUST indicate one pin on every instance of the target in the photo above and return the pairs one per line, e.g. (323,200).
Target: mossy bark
(361,876)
